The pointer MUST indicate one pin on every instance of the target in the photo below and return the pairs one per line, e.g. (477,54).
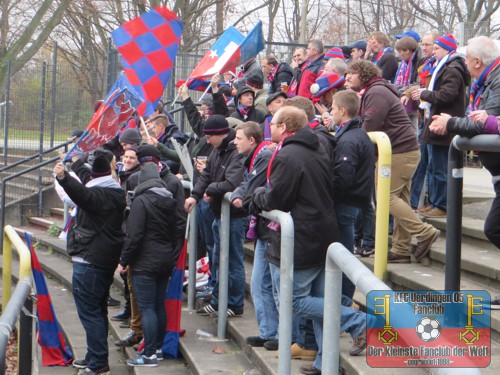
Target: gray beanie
(149,171)
(130,136)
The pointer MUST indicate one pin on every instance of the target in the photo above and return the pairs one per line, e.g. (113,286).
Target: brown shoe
(309,370)
(426,208)
(424,246)
(359,344)
(435,212)
(303,354)
(396,258)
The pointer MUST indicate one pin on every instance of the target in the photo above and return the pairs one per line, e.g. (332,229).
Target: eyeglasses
(426,44)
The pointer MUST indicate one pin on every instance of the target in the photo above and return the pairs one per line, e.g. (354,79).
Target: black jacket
(96,232)
(354,165)
(284,74)
(301,183)
(223,173)
(388,64)
(448,97)
(172,131)
(253,114)
(150,245)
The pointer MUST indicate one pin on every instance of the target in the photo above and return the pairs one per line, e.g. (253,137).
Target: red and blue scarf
(381,53)
(478,86)
(244,111)
(272,73)
(267,127)
(403,74)
(314,123)
(427,70)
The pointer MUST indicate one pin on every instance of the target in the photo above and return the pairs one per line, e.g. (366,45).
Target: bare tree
(21,38)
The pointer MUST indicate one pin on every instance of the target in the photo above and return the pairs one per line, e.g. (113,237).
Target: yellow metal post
(383,183)
(12,240)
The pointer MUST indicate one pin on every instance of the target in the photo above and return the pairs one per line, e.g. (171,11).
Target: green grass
(34,135)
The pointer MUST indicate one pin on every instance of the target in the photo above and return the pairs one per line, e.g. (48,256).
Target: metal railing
(382,208)
(18,301)
(485,142)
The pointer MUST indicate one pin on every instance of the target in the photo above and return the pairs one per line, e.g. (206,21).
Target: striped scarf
(478,86)
(244,111)
(381,53)
(272,73)
(427,70)
(404,72)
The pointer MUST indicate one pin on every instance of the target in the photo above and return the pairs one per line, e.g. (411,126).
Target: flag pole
(144,126)
(206,90)
(175,99)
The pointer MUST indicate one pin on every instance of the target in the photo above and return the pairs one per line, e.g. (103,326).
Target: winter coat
(388,64)
(354,165)
(283,74)
(381,110)
(150,245)
(464,126)
(253,114)
(301,183)
(309,75)
(172,131)
(223,173)
(448,97)
(95,234)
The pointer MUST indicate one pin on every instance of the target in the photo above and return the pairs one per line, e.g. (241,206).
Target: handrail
(192,250)
(7,167)
(483,142)
(11,312)
(4,185)
(383,196)
(12,240)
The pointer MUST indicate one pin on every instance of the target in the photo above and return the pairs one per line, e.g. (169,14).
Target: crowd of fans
(290,136)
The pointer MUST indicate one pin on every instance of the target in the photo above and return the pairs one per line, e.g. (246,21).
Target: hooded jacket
(223,173)
(253,114)
(301,183)
(150,245)
(309,75)
(381,110)
(448,97)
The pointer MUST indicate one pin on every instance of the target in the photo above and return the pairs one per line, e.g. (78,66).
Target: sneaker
(120,317)
(125,323)
(143,361)
(207,310)
(205,295)
(113,302)
(101,371)
(435,212)
(359,344)
(309,370)
(80,363)
(495,303)
(234,312)
(159,354)
(129,340)
(271,345)
(365,251)
(255,341)
(303,354)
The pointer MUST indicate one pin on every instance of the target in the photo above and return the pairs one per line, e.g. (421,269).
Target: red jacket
(309,76)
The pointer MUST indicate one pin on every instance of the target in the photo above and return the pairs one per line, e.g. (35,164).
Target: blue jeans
(438,175)
(262,293)
(236,292)
(308,302)
(365,225)
(91,290)
(418,180)
(205,219)
(346,221)
(150,291)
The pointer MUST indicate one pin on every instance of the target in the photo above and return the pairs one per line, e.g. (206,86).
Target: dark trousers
(492,223)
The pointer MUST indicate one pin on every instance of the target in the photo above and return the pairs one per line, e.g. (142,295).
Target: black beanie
(130,136)
(273,96)
(101,167)
(216,125)
(148,154)
(254,79)
(149,171)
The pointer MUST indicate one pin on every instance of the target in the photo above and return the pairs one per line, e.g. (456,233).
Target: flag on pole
(148,46)
(173,305)
(55,352)
(199,84)
(229,51)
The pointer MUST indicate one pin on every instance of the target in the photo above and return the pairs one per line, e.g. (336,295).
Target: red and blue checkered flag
(173,305)
(148,46)
(55,352)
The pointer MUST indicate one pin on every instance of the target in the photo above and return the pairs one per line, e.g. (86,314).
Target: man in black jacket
(223,173)
(300,182)
(245,106)
(277,73)
(95,240)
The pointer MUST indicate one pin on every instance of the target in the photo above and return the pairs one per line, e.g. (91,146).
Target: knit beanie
(254,79)
(275,95)
(325,83)
(448,42)
(148,171)
(101,167)
(216,125)
(334,52)
(148,154)
(130,136)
